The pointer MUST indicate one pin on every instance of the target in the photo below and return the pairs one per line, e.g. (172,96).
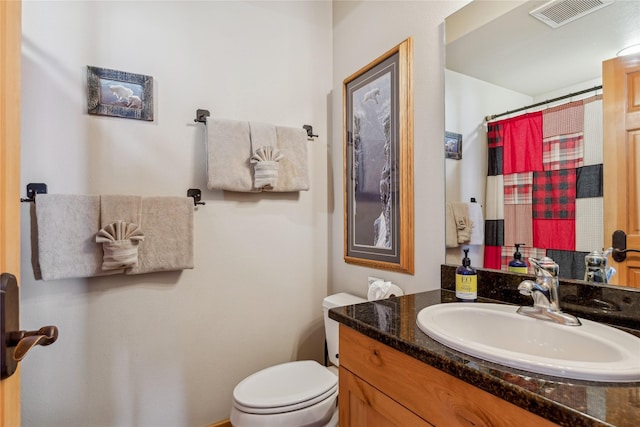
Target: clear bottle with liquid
(517,265)
(466,280)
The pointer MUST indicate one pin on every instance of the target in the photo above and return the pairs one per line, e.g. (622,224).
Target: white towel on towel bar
(117,207)
(293,172)
(477,219)
(229,150)
(167,223)
(451,230)
(66,230)
(262,135)
(228,153)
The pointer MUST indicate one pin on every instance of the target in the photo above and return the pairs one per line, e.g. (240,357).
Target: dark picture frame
(119,94)
(378,162)
(452,145)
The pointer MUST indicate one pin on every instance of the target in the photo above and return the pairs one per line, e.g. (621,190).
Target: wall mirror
(500,58)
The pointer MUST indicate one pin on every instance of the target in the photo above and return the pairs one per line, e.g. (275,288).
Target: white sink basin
(496,333)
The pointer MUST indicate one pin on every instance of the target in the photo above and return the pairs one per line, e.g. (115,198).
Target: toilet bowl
(294,394)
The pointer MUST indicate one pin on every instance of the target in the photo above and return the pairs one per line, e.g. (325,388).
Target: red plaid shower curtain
(544,186)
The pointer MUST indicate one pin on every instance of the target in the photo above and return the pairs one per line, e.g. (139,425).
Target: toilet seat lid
(292,384)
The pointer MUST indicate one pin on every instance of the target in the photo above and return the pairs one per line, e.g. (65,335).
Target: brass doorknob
(26,340)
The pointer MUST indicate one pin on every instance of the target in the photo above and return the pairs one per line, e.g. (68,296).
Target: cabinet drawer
(435,396)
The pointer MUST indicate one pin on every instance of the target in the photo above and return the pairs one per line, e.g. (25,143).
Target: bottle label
(523,270)
(466,286)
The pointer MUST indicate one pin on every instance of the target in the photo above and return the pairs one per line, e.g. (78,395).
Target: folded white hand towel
(120,245)
(265,166)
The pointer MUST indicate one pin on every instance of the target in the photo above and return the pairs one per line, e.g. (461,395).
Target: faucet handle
(545,266)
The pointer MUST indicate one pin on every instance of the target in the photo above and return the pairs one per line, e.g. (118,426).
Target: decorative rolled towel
(120,245)
(265,166)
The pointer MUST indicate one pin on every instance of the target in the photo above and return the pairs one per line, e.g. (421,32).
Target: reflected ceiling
(535,58)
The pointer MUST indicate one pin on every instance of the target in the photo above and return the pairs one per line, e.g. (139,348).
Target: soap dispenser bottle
(466,280)
(517,265)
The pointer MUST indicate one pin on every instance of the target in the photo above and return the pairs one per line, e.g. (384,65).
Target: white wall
(166,349)
(468,101)
(362,31)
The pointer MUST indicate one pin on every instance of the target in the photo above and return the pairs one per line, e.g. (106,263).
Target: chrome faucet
(544,291)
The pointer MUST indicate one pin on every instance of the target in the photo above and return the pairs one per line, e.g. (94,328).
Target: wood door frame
(10,55)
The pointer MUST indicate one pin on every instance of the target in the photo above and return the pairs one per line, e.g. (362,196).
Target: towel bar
(201,117)
(41,188)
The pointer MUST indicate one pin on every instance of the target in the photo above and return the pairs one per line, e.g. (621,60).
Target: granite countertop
(567,402)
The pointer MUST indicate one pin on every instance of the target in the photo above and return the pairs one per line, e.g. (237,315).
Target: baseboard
(223,423)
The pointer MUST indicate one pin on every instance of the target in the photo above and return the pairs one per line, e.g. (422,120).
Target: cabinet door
(362,405)
(433,395)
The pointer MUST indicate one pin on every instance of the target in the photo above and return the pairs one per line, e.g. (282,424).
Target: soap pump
(517,265)
(466,280)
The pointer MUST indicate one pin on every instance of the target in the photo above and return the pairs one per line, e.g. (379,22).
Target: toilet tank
(330,325)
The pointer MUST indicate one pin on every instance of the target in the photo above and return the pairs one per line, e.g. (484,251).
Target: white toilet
(294,394)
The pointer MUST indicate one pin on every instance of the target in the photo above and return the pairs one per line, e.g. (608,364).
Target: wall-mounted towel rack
(197,196)
(41,188)
(201,117)
(33,189)
(309,130)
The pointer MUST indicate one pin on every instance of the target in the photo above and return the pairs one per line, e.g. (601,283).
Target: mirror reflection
(501,58)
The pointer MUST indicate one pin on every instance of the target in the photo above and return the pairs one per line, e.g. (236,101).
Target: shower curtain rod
(538,104)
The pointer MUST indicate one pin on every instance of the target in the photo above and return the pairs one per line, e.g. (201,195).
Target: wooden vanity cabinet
(383,387)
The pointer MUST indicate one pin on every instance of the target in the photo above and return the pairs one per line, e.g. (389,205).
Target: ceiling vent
(556,13)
